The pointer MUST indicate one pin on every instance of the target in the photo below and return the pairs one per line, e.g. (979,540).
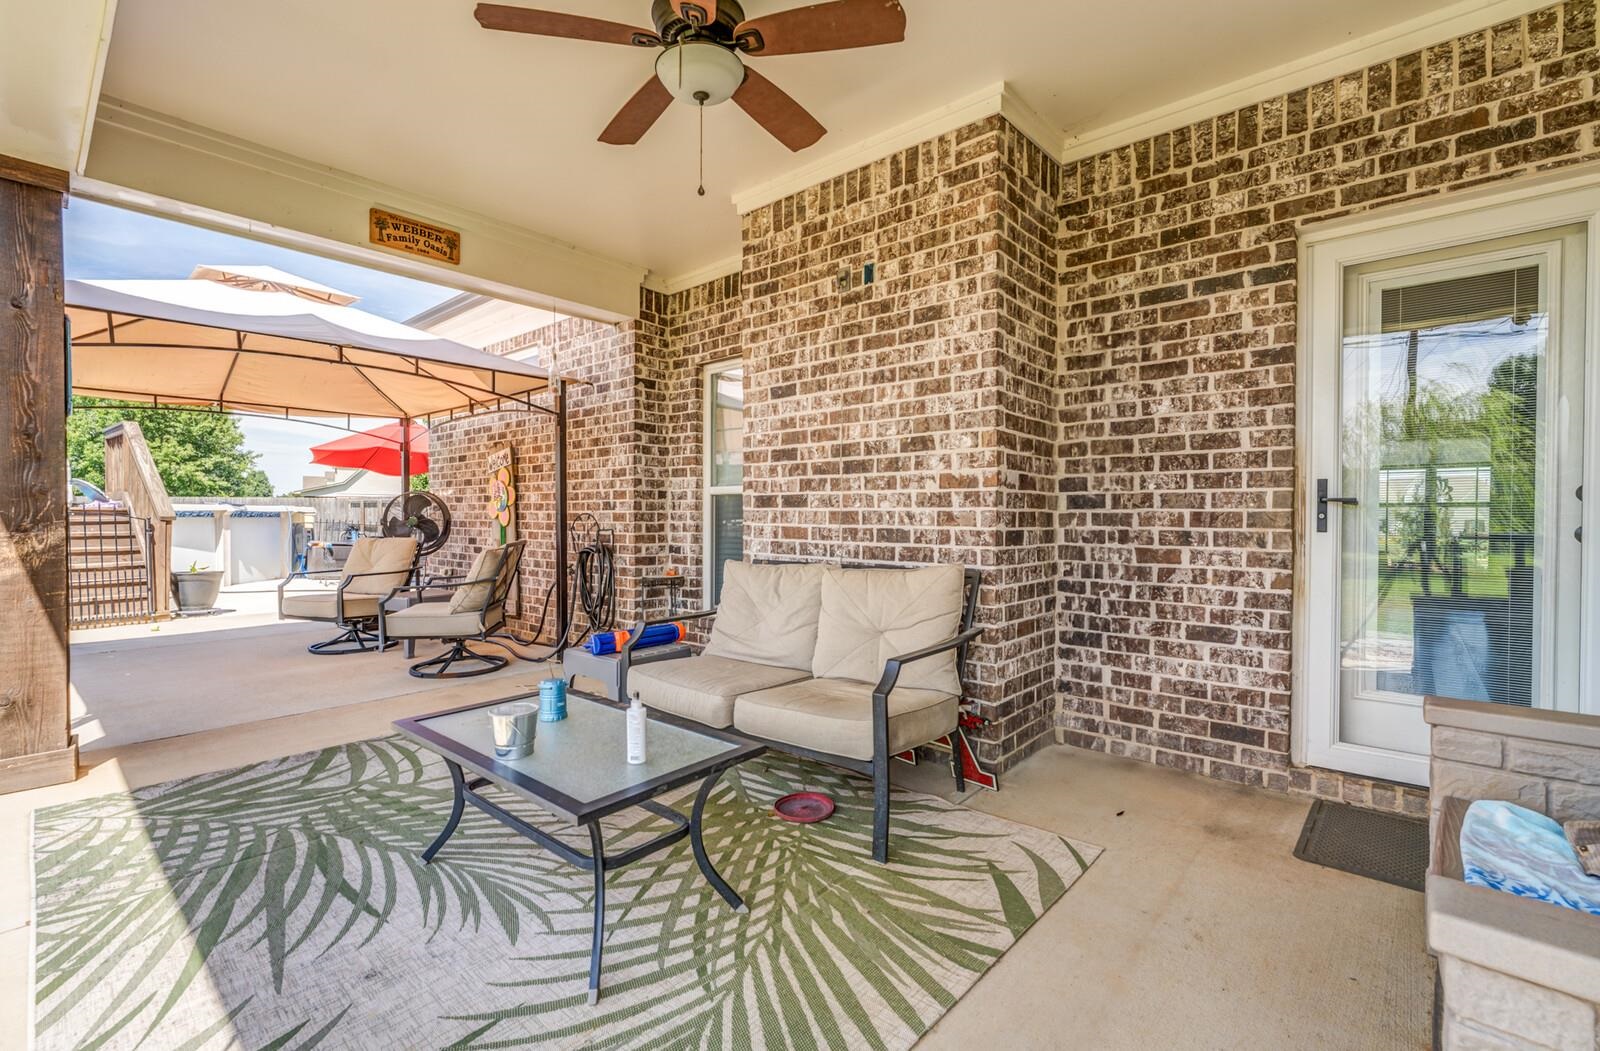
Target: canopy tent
(279,347)
(260,341)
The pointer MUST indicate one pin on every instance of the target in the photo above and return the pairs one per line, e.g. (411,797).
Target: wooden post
(37,746)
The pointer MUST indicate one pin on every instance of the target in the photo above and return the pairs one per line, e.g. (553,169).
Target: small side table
(608,669)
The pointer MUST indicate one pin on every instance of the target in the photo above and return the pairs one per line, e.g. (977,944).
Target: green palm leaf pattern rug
(283,905)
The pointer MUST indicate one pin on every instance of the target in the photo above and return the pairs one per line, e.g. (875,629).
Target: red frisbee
(803,808)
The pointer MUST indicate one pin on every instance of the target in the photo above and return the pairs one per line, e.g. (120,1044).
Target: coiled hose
(591,589)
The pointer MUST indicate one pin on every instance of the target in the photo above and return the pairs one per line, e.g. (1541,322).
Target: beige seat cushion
(486,567)
(703,688)
(433,620)
(870,615)
(834,716)
(389,556)
(768,614)
(321,605)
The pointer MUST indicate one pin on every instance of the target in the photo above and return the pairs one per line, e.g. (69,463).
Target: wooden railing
(131,477)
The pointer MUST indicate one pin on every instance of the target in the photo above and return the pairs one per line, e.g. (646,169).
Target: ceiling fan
(700,63)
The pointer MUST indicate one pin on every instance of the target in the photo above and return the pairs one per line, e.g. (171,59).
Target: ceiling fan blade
(638,114)
(555,23)
(772,108)
(697,12)
(833,26)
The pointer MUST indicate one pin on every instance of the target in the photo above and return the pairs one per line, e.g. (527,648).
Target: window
(724,480)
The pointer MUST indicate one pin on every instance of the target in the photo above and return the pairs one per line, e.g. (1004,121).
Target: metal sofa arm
(892,666)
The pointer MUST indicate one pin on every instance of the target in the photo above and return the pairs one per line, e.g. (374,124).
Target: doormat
(1384,847)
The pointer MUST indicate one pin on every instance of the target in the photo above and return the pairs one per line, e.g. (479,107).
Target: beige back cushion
(486,567)
(768,614)
(390,556)
(870,615)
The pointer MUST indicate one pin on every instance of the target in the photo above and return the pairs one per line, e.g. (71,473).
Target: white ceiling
(414,94)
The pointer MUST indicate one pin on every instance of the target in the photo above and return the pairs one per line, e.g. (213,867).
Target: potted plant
(196,588)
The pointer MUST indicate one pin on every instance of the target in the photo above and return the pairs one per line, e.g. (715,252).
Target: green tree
(197,453)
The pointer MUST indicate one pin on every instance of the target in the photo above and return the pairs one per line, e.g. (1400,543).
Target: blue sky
(103,242)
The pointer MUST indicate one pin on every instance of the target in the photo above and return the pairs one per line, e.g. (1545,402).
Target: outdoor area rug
(283,905)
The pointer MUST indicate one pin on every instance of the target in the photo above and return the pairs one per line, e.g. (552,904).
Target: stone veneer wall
(1514,972)
(1178,272)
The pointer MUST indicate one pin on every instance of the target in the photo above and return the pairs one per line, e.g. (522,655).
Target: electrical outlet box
(869,273)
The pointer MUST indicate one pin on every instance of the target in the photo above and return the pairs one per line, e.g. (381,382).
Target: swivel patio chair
(474,608)
(375,570)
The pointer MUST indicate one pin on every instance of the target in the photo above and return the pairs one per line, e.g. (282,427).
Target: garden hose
(591,589)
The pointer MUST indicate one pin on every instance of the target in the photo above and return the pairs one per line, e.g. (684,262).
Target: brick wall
(607,454)
(704,326)
(1178,271)
(909,421)
(1077,378)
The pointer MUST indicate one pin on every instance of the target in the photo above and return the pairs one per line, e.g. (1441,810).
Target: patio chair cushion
(704,688)
(486,567)
(322,604)
(390,556)
(434,620)
(871,615)
(768,614)
(834,716)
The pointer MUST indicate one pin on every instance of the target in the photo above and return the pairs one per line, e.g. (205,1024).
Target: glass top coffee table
(579,772)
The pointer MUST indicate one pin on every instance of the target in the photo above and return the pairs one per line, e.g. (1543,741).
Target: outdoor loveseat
(846,666)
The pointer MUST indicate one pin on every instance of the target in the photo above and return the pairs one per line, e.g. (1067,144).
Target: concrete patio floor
(1196,929)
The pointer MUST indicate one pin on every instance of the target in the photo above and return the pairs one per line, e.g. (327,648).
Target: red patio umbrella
(377,450)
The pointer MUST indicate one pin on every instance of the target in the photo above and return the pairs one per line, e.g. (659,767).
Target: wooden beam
(30,174)
(36,742)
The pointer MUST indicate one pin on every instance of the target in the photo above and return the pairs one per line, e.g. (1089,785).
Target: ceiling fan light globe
(697,66)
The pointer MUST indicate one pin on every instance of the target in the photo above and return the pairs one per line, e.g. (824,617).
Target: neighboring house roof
(354,483)
(479,321)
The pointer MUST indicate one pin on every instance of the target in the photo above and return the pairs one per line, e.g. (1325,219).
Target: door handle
(1323,500)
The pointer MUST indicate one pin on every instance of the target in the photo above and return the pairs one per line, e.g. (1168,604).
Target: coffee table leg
(455,812)
(707,869)
(599,855)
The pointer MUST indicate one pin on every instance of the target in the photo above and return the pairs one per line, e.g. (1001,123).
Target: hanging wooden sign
(406,234)
(503,494)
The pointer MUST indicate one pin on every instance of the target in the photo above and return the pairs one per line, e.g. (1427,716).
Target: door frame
(1325,250)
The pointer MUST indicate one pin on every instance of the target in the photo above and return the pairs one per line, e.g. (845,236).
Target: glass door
(1454,509)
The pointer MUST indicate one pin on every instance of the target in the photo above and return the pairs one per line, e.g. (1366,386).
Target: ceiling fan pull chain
(701,97)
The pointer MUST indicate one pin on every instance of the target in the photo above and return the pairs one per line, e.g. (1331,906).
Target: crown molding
(995,99)
(1354,54)
(161,164)
(724,267)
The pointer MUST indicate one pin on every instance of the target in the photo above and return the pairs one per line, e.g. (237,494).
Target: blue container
(552,700)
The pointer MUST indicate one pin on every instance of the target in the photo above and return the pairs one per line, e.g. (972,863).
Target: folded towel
(1513,849)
